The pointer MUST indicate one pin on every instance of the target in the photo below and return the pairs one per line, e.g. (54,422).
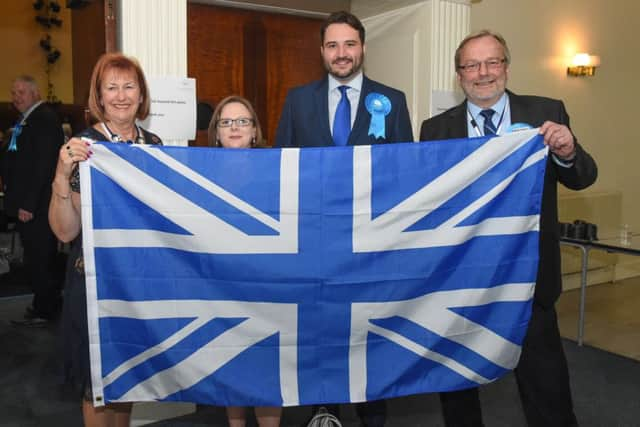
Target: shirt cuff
(563,163)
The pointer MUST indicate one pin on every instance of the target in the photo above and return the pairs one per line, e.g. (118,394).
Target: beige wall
(542,35)
(19,43)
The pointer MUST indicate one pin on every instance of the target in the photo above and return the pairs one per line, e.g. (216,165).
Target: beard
(342,73)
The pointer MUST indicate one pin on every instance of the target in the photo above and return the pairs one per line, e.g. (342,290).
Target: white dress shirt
(353,94)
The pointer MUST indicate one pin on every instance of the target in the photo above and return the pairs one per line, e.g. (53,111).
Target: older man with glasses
(482,64)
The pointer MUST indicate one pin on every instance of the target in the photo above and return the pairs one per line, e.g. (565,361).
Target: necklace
(114,137)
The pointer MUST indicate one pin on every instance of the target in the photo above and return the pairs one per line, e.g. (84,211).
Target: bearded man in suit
(345,108)
(482,65)
(312,114)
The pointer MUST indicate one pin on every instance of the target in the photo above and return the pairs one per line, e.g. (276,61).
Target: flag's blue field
(287,277)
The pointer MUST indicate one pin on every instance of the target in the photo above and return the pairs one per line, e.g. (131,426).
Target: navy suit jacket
(533,110)
(305,117)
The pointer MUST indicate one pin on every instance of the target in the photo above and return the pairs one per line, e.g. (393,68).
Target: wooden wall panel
(89,42)
(293,57)
(257,55)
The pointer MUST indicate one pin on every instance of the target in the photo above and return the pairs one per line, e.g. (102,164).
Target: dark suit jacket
(305,117)
(533,110)
(28,172)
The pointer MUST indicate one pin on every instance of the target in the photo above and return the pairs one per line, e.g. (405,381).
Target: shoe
(35,322)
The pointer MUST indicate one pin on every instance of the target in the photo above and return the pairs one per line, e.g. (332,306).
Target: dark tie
(488,128)
(342,119)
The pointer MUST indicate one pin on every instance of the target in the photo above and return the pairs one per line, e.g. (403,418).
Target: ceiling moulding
(268,6)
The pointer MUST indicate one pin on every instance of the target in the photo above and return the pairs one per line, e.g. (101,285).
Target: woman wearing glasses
(234,124)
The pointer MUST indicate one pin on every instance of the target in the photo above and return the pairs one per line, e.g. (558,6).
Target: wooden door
(254,54)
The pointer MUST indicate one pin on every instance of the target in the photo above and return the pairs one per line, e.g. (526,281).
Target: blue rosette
(379,107)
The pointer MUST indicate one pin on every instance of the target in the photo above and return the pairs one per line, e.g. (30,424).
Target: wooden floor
(612,316)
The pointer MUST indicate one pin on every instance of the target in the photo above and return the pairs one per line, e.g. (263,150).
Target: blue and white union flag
(299,276)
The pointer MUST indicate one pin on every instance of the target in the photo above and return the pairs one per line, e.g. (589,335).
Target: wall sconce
(583,64)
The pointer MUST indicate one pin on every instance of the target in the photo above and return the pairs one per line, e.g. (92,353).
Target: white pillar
(155,32)
(412,48)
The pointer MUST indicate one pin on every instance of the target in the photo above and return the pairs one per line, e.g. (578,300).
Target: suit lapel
(322,111)
(458,122)
(518,113)
(363,118)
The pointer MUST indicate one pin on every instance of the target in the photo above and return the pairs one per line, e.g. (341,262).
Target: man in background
(28,167)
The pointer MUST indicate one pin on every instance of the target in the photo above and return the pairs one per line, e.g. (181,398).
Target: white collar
(354,83)
(26,113)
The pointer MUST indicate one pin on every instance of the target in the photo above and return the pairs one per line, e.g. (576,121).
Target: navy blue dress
(75,332)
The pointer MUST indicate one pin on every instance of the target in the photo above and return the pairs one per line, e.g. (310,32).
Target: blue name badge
(516,127)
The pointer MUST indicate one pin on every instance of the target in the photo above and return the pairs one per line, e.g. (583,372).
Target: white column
(412,48)
(155,32)
(449,25)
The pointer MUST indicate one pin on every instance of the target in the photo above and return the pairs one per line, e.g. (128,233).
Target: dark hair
(213,124)
(480,34)
(342,17)
(120,62)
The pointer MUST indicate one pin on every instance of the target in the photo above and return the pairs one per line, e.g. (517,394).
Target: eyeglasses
(241,122)
(491,64)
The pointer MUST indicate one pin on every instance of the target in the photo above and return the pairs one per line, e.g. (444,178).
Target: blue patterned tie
(488,128)
(342,119)
(17,130)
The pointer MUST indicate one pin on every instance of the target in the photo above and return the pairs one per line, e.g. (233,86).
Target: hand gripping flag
(299,276)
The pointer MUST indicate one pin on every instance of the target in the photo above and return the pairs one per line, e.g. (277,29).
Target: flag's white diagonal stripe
(450,183)
(155,350)
(430,354)
(493,193)
(263,320)
(433,313)
(202,363)
(481,340)
(193,218)
(215,189)
(452,236)
(466,332)
(387,231)
(480,296)
(150,191)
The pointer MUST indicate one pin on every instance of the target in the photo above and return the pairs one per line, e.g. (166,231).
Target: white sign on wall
(173,108)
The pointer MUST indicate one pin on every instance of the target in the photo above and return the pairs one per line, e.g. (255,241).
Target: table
(612,245)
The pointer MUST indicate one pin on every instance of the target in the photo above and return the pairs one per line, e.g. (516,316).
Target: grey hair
(477,35)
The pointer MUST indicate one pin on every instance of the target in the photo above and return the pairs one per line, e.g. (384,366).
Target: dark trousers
(542,376)
(372,414)
(40,246)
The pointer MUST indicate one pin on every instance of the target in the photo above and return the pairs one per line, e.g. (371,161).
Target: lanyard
(475,126)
